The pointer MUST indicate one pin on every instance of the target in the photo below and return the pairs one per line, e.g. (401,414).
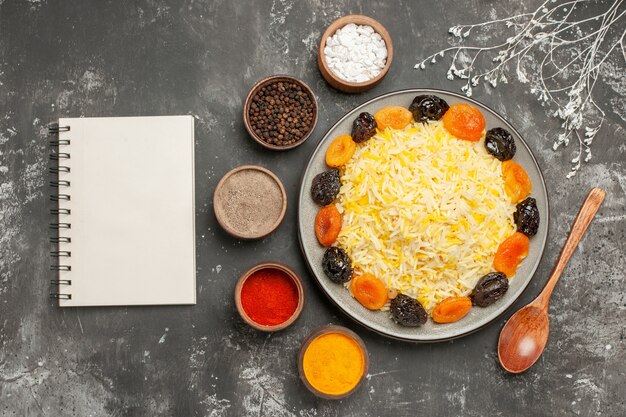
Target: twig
(569,53)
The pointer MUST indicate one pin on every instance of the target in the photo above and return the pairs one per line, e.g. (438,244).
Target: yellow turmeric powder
(333,363)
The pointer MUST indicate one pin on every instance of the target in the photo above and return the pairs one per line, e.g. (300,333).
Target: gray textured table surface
(154,57)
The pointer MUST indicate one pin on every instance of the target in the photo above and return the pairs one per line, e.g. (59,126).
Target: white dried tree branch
(554,51)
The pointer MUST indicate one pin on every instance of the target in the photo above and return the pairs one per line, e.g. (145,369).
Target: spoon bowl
(523,339)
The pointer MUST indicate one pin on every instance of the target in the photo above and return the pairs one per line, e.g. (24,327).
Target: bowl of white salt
(355,53)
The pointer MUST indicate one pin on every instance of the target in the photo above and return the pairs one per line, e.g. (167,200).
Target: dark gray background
(106,58)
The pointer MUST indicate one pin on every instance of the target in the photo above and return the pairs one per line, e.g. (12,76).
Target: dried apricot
(340,151)
(451,309)
(395,117)
(464,122)
(510,254)
(327,225)
(369,291)
(516,181)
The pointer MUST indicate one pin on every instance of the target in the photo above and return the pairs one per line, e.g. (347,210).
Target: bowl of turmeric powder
(333,362)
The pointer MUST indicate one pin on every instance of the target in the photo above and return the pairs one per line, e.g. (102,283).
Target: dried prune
(326,186)
(364,127)
(526,217)
(500,143)
(337,265)
(407,311)
(428,107)
(489,289)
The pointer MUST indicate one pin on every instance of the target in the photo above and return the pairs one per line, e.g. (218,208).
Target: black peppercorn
(281,113)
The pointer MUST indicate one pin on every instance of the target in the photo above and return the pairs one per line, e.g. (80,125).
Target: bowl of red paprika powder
(269,296)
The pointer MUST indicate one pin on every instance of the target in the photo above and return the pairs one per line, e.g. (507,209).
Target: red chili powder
(269,297)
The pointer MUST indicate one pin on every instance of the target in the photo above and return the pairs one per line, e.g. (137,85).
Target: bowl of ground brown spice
(249,202)
(280,112)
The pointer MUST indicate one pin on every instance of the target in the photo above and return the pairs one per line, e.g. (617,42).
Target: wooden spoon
(524,336)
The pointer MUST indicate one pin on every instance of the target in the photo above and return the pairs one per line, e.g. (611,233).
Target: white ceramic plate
(380,321)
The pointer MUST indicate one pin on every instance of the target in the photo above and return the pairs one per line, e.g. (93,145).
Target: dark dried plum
(500,143)
(489,289)
(364,127)
(526,217)
(337,265)
(407,311)
(326,186)
(428,107)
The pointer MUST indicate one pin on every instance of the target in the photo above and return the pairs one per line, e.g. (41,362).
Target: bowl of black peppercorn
(280,112)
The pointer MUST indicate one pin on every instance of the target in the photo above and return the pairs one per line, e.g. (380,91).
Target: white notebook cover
(132,211)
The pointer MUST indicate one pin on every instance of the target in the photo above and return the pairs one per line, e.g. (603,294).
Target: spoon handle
(585,215)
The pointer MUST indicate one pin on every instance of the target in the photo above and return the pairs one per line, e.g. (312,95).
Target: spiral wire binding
(58,296)
(54,128)
(60,267)
(58,255)
(59,197)
(59,155)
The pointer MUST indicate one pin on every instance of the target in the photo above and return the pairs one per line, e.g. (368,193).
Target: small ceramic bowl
(255,89)
(219,204)
(314,335)
(333,79)
(270,265)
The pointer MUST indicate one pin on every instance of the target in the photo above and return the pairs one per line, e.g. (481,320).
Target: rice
(424,211)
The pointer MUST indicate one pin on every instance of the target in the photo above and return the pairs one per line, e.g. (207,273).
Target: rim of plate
(508,303)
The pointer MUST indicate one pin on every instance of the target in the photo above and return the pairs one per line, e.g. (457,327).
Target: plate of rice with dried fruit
(422,215)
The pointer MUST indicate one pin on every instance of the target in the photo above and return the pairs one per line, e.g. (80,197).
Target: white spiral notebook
(126,233)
